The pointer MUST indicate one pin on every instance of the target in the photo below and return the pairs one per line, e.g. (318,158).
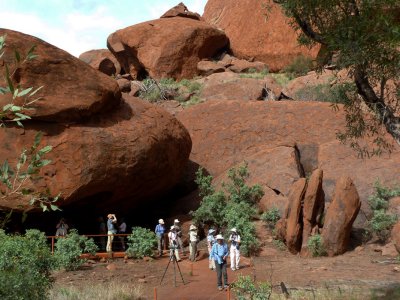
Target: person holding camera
(178,231)
(62,228)
(173,243)
(111,230)
(210,243)
(160,231)
(219,253)
(234,249)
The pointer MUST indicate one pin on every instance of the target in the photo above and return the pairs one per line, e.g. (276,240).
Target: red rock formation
(252,35)
(395,236)
(167,47)
(181,10)
(294,222)
(313,207)
(72,90)
(225,133)
(102,60)
(340,216)
(118,157)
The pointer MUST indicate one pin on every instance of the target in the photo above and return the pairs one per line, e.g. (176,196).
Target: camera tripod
(172,257)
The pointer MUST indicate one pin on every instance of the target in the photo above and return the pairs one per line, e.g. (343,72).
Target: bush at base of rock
(315,246)
(245,288)
(141,242)
(271,216)
(70,248)
(25,265)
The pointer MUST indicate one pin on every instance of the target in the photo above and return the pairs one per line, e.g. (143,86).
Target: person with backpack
(234,249)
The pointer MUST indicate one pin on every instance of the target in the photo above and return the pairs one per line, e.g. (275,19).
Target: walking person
(160,232)
(219,254)
(178,231)
(122,230)
(234,249)
(210,243)
(193,240)
(111,230)
(173,243)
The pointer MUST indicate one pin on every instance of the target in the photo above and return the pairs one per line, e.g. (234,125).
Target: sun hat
(161,221)
(176,221)
(233,229)
(192,227)
(211,231)
(172,227)
(219,237)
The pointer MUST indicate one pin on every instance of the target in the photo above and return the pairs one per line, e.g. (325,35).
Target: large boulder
(313,207)
(294,223)
(340,216)
(225,133)
(102,60)
(230,86)
(270,40)
(134,152)
(167,47)
(72,90)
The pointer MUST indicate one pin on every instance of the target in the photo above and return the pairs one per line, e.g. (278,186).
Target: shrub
(315,246)
(280,245)
(245,288)
(325,93)
(25,265)
(254,73)
(70,248)
(233,207)
(381,222)
(271,216)
(300,66)
(141,242)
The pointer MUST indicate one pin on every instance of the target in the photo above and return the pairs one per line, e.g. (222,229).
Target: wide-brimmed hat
(233,229)
(219,237)
(176,221)
(172,227)
(211,231)
(192,227)
(161,221)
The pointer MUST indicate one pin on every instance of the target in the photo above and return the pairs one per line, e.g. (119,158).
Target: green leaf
(35,91)
(54,207)
(38,138)
(9,81)
(26,192)
(7,107)
(45,149)
(16,108)
(24,92)
(17,56)
(3,90)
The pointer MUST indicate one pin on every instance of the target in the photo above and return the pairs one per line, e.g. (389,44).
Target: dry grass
(105,291)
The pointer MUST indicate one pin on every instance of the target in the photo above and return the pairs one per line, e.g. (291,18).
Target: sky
(82,25)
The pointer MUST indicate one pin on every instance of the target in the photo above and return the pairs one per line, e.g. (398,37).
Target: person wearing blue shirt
(219,253)
(160,231)
(111,230)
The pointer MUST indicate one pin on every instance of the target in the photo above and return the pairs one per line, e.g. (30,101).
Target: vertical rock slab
(294,216)
(313,207)
(340,217)
(396,236)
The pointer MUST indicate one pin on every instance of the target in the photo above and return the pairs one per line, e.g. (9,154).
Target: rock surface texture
(252,35)
(134,151)
(340,216)
(226,133)
(167,47)
(102,60)
(396,236)
(72,90)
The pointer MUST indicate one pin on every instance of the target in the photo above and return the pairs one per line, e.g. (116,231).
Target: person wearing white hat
(173,243)
(219,253)
(179,235)
(234,238)
(210,243)
(160,233)
(193,240)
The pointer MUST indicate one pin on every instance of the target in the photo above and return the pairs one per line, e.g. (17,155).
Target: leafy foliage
(315,246)
(231,207)
(245,288)
(25,265)
(141,242)
(365,37)
(300,66)
(336,94)
(271,216)
(70,248)
(254,73)
(382,222)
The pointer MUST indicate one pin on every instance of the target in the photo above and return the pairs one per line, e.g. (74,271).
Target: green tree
(141,242)
(365,36)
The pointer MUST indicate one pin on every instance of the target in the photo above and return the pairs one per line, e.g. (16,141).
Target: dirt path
(359,270)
